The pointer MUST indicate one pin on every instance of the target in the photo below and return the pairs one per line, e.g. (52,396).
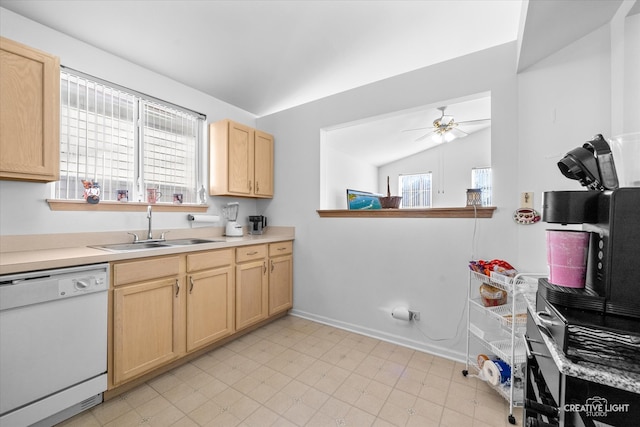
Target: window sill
(465,212)
(81,205)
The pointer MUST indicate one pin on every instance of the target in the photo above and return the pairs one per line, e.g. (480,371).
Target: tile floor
(295,372)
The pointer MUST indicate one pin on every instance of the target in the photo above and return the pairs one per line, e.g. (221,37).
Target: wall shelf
(465,212)
(81,205)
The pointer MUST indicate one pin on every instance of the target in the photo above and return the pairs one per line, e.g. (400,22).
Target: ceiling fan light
(442,136)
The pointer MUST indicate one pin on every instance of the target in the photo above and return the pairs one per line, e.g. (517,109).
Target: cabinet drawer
(280,248)
(249,253)
(138,271)
(211,259)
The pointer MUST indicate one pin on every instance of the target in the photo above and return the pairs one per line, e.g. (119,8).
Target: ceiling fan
(445,128)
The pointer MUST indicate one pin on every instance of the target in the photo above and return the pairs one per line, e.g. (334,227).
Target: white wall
(352,272)
(342,171)
(573,106)
(23,209)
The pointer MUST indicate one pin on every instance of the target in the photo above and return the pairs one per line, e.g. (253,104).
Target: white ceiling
(265,56)
(268,55)
(381,140)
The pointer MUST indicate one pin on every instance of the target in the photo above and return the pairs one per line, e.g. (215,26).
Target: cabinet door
(240,159)
(146,322)
(280,284)
(251,293)
(263,153)
(209,306)
(29,113)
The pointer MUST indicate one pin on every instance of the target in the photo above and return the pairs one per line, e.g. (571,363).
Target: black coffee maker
(612,216)
(257,224)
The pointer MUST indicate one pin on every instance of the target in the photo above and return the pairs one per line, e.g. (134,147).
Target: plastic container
(492,296)
(567,257)
(626,155)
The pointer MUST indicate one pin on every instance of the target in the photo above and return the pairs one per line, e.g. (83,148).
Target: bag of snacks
(495,265)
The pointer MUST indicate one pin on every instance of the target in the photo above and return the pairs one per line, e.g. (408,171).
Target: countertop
(39,252)
(601,374)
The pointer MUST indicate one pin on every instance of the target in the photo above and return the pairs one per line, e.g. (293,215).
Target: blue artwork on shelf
(362,200)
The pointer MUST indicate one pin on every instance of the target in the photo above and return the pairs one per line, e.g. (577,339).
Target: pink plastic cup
(567,257)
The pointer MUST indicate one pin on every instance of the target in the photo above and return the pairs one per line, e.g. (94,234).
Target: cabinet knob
(191,282)
(177,288)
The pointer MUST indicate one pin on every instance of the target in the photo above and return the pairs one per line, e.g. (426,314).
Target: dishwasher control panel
(69,286)
(22,289)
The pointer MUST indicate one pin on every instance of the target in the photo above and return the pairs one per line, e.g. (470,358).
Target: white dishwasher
(53,344)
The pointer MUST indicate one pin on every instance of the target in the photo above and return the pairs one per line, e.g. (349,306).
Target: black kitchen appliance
(257,223)
(598,325)
(612,216)
(553,398)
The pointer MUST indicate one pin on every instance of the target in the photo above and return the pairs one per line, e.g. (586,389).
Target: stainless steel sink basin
(185,242)
(128,247)
(120,247)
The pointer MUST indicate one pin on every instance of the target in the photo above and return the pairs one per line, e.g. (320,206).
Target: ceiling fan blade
(479,121)
(458,133)
(423,137)
(409,130)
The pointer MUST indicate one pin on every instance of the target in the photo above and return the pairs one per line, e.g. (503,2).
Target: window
(124,140)
(415,190)
(481,178)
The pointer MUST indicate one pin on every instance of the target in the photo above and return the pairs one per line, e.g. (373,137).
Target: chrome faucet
(149,234)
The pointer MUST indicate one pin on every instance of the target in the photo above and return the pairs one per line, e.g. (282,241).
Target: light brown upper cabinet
(29,113)
(240,161)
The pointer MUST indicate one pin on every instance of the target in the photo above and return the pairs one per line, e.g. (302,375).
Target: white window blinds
(415,190)
(481,178)
(124,141)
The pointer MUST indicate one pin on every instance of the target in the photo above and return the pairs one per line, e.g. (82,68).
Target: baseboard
(383,336)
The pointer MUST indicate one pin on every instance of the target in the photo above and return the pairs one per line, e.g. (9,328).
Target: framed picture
(362,200)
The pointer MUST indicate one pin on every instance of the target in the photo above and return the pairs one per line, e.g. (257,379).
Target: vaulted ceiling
(268,55)
(265,56)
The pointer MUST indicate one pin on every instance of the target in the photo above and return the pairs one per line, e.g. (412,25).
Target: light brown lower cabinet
(146,315)
(164,308)
(280,277)
(210,297)
(252,292)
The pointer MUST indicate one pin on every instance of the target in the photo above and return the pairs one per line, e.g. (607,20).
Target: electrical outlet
(526,199)
(416,315)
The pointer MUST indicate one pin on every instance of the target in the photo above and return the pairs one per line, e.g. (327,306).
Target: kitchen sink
(128,247)
(185,242)
(131,246)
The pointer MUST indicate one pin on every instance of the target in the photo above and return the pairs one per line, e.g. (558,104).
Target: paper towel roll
(204,218)
(491,372)
(401,313)
(496,371)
